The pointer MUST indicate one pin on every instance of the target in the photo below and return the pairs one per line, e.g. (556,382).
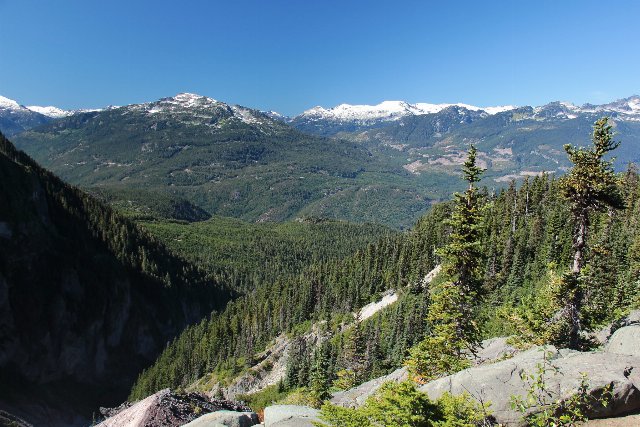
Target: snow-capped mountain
(202,110)
(184,107)
(9,104)
(626,109)
(50,111)
(355,118)
(347,118)
(15,118)
(387,111)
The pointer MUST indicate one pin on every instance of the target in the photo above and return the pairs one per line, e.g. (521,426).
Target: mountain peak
(389,111)
(9,103)
(51,111)
(187,97)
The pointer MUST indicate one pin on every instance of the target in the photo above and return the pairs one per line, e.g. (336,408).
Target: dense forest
(526,237)
(245,255)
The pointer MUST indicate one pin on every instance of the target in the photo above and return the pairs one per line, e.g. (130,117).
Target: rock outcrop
(356,396)
(290,416)
(168,409)
(270,366)
(225,419)
(625,341)
(497,382)
(496,375)
(492,350)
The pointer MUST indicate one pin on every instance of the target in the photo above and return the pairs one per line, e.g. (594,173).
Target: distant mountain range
(350,118)
(353,118)
(16,118)
(384,163)
(229,160)
(349,115)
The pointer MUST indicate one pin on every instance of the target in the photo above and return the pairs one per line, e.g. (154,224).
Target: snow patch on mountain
(196,109)
(623,109)
(9,104)
(245,115)
(388,111)
(50,111)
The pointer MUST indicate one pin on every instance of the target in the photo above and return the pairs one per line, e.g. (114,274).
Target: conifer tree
(590,186)
(452,313)
(319,380)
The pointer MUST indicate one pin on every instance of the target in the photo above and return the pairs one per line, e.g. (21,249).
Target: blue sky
(291,55)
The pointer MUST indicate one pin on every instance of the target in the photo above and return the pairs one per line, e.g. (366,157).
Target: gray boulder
(226,419)
(625,340)
(491,350)
(496,383)
(603,336)
(355,397)
(290,416)
(494,349)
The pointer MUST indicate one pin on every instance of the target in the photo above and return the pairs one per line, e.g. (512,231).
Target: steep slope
(86,298)
(526,234)
(229,160)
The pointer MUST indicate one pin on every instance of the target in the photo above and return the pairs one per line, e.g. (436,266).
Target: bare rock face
(168,409)
(356,396)
(603,336)
(497,382)
(271,365)
(491,350)
(628,421)
(494,349)
(625,340)
(225,419)
(496,376)
(290,416)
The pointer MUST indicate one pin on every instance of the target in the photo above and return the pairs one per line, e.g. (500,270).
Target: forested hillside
(226,159)
(88,298)
(245,255)
(526,236)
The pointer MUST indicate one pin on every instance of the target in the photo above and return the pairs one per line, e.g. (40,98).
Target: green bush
(403,405)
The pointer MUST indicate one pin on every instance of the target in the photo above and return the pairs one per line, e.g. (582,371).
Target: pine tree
(589,187)
(454,301)
(319,378)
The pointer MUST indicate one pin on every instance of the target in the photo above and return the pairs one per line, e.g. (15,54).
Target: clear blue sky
(291,55)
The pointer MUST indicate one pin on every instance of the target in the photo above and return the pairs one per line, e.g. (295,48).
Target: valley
(279,266)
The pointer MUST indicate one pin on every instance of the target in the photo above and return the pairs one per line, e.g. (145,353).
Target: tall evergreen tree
(319,377)
(590,186)
(452,313)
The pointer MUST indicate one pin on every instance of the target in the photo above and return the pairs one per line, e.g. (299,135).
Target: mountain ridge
(386,110)
(231,160)
(228,160)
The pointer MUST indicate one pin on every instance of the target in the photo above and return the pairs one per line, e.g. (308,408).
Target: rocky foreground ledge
(494,378)
(168,409)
